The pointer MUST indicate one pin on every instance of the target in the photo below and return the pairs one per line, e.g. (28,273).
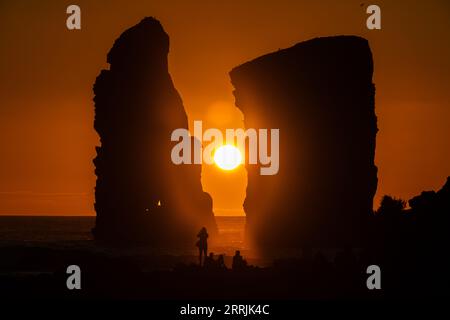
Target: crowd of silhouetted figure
(238,264)
(209,262)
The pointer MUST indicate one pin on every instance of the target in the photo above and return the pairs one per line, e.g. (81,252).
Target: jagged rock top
(139,43)
(320,52)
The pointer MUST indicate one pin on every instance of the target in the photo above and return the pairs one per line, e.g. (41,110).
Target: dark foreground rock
(123,276)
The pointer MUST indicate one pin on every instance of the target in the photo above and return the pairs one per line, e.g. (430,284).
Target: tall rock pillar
(140,195)
(320,94)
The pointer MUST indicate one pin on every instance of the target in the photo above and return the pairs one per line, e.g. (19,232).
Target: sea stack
(320,94)
(140,195)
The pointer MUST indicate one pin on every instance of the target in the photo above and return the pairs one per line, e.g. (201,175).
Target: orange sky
(47,138)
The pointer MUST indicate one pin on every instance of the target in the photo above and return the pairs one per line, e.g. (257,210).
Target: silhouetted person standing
(209,262)
(202,243)
(221,262)
(238,262)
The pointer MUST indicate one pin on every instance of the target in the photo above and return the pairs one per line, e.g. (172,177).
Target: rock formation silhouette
(423,225)
(412,243)
(320,94)
(140,194)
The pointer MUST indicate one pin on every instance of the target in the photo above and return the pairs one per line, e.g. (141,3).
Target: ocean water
(45,228)
(63,228)
(74,233)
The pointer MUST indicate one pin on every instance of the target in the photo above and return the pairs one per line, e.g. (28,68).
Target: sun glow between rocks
(227,157)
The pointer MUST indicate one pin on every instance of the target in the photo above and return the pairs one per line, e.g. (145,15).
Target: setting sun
(227,157)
